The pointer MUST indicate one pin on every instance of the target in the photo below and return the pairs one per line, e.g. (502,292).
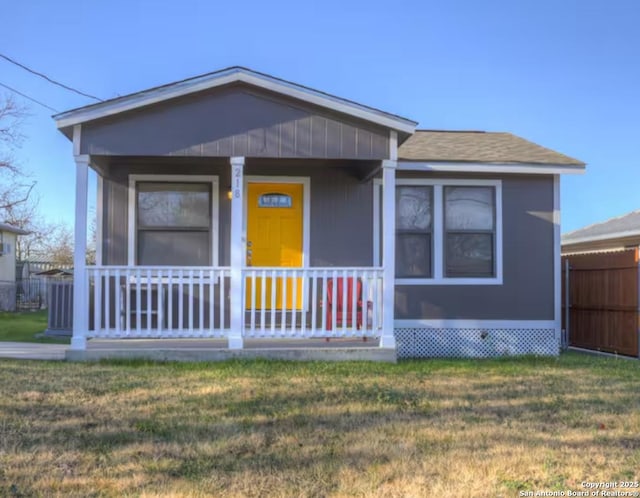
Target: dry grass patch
(456,428)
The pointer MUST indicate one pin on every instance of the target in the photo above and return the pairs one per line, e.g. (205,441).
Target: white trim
(131,209)
(557,268)
(80,280)
(438,232)
(77,136)
(438,240)
(99,220)
(454,323)
(232,75)
(305,181)
(393,145)
(463,167)
(387,339)
(377,187)
(237,242)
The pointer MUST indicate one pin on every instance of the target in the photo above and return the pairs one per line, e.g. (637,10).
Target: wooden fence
(601,301)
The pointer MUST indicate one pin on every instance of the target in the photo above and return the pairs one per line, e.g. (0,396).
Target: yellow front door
(274,238)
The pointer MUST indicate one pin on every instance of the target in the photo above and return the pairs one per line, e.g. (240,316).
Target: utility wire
(27,97)
(49,79)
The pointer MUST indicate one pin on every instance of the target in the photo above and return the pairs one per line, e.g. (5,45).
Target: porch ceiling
(117,166)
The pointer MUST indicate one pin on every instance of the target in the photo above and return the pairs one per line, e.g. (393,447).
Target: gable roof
(479,147)
(66,120)
(626,225)
(11,229)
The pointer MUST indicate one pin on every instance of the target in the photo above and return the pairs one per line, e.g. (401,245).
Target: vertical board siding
(603,301)
(236,122)
(114,222)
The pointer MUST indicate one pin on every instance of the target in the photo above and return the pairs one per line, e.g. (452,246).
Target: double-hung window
(414,226)
(174,221)
(448,231)
(469,232)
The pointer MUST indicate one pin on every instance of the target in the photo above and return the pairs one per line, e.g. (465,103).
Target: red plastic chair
(344,316)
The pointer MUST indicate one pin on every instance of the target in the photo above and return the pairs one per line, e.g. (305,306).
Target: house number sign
(237,180)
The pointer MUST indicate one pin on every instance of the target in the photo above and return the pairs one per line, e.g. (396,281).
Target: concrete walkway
(32,351)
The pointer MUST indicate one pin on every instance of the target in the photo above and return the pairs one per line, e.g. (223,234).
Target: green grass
(241,428)
(25,327)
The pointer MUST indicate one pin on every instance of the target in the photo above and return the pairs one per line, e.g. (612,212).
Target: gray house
(237,205)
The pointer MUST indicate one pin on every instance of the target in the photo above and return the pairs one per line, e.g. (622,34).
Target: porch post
(80,289)
(236,297)
(388,340)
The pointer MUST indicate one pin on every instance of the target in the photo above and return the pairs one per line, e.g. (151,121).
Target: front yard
(424,428)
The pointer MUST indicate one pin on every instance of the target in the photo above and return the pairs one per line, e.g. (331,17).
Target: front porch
(195,302)
(150,296)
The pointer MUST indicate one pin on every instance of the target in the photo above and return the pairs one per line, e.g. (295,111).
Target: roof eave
(16,231)
(491,167)
(68,119)
(606,236)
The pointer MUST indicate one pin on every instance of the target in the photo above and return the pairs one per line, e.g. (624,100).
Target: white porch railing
(193,302)
(312,302)
(157,301)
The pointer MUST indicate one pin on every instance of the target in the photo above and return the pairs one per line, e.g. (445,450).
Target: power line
(27,97)
(49,79)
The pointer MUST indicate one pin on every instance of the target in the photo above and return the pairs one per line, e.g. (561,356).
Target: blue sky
(564,74)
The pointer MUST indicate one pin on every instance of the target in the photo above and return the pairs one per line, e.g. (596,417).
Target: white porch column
(388,340)
(237,253)
(80,288)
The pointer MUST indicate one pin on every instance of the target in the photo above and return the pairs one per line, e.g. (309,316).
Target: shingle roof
(478,147)
(614,227)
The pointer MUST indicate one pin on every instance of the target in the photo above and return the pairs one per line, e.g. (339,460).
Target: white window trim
(132,229)
(438,231)
(305,181)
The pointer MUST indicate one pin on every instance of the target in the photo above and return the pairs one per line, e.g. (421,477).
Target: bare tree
(15,185)
(58,244)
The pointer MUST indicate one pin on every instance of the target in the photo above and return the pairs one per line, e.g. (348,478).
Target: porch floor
(337,349)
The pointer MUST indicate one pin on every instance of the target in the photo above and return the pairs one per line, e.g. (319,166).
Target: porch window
(469,225)
(173,223)
(414,208)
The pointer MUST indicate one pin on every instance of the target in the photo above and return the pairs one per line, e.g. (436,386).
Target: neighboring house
(239,205)
(621,232)
(8,236)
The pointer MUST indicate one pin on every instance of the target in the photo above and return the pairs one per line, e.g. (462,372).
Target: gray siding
(340,210)
(235,121)
(527,290)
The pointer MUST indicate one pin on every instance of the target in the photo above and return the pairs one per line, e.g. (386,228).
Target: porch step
(216,350)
